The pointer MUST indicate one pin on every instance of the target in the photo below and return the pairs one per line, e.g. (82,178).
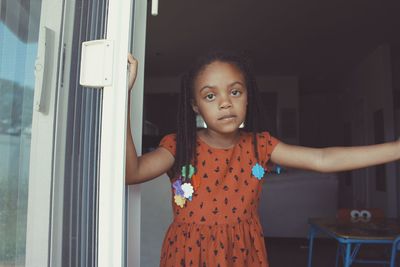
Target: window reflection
(19,26)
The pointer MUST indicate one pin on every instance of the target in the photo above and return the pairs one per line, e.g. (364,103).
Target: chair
(395,249)
(357,215)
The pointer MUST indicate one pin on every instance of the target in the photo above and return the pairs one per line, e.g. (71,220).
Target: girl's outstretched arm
(149,165)
(333,159)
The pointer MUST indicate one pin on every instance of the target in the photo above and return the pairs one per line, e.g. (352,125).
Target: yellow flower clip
(179,200)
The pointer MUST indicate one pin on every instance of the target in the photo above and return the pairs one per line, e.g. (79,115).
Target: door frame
(43,134)
(133,197)
(111,235)
(44,226)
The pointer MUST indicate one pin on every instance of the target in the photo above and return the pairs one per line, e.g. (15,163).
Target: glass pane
(19,27)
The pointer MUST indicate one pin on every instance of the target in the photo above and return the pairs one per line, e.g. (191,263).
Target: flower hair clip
(185,185)
(258,171)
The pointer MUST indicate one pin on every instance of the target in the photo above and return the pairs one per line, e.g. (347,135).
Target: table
(352,234)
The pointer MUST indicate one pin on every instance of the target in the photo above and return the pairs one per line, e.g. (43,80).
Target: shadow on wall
(289,199)
(156,216)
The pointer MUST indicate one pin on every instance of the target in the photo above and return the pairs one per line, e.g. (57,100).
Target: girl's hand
(132,69)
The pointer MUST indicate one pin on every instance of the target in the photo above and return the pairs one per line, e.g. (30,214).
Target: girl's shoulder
(169,142)
(259,135)
(169,137)
(264,139)
(266,143)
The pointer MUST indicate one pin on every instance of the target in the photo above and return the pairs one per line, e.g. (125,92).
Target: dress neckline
(218,148)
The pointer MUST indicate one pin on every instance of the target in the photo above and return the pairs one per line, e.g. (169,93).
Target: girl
(216,172)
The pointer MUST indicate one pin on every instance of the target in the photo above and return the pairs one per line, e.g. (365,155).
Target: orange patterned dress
(220,226)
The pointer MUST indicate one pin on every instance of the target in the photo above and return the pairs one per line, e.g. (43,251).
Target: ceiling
(311,39)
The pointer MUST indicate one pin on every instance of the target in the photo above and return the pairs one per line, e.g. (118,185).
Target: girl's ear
(195,107)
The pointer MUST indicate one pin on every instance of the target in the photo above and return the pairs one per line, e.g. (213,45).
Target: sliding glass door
(19,33)
(62,146)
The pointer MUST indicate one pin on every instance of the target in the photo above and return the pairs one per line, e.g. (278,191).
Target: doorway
(317,58)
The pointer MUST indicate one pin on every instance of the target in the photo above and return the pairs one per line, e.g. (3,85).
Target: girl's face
(220,97)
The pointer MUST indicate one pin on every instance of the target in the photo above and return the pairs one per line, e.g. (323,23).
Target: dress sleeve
(169,143)
(271,144)
(267,144)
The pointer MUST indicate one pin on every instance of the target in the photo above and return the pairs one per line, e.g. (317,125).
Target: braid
(186,120)
(253,119)
(186,130)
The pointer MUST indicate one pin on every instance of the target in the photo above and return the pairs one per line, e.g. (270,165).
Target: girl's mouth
(227,117)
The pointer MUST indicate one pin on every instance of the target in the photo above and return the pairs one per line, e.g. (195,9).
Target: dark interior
(316,41)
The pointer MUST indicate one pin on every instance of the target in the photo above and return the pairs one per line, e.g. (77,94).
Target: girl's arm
(149,165)
(333,159)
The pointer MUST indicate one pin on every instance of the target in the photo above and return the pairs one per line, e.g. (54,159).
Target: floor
(293,252)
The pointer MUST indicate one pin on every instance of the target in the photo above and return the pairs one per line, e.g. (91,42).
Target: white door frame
(43,135)
(61,114)
(112,232)
(113,141)
(136,114)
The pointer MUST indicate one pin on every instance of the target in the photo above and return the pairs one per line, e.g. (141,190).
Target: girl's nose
(225,102)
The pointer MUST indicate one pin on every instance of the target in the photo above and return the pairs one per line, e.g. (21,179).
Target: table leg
(394,251)
(338,254)
(347,259)
(311,236)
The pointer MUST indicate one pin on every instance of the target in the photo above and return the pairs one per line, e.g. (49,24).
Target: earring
(200,123)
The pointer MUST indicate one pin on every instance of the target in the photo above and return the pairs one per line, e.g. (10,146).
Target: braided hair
(186,120)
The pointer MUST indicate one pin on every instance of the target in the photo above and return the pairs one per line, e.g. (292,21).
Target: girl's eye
(210,96)
(235,92)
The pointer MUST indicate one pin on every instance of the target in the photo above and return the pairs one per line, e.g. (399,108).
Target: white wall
(369,88)
(288,200)
(156,216)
